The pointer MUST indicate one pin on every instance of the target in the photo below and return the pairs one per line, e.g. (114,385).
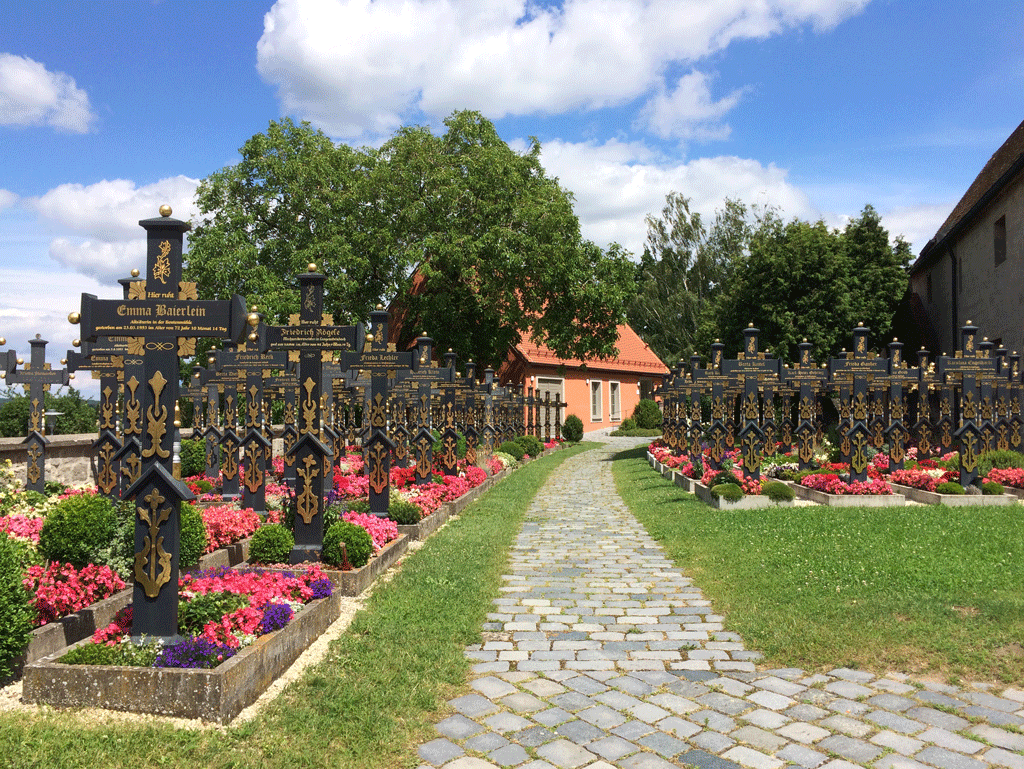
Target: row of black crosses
(134,345)
(976,395)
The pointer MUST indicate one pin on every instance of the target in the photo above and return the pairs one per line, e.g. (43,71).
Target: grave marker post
(810,381)
(966,371)
(36,376)
(381,362)
(107,368)
(857,371)
(1015,392)
(754,371)
(923,425)
(314,337)
(163,316)
(1001,399)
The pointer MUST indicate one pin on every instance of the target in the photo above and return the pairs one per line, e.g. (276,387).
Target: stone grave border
(216,695)
(747,502)
(848,500)
(953,500)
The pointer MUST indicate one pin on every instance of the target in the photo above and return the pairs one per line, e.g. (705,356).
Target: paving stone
(896,761)
(801,755)
(602,717)
(853,749)
(771,700)
(732,687)
(752,758)
(804,712)
(564,753)
(543,687)
(509,755)
(631,685)
(847,725)
(939,718)
(458,727)
(946,739)
(493,688)
(645,761)
(532,737)
(908,746)
(998,737)
(469,762)
(580,731)
(887,701)
(572,701)
(779,686)
(507,722)
(663,744)
(523,702)
(1001,757)
(847,674)
(991,701)
(675,703)
(439,751)
(633,730)
(947,759)
(482,743)
(758,738)
(473,705)
(802,732)
(895,722)
(552,716)
(997,717)
(723,703)
(848,707)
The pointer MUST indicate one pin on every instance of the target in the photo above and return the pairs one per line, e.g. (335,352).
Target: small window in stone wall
(999,240)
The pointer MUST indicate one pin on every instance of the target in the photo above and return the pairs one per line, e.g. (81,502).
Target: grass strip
(917,589)
(375,696)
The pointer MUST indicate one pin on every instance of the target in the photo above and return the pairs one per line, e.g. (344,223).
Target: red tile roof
(634,355)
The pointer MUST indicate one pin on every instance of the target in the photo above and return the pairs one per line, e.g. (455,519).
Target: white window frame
(614,393)
(559,413)
(595,387)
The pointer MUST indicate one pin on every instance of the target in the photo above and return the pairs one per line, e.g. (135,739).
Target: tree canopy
(76,415)
(472,242)
(791,279)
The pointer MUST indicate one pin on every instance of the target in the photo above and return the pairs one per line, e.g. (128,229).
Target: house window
(595,400)
(999,240)
(551,388)
(614,403)
(928,287)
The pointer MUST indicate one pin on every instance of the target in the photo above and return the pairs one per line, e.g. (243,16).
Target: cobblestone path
(600,654)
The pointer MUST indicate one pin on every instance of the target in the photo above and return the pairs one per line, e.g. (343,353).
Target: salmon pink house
(600,391)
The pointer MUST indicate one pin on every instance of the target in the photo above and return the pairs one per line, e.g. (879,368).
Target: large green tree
(804,280)
(472,242)
(685,266)
(76,415)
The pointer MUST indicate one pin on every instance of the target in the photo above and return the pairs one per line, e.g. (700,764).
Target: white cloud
(688,111)
(616,184)
(32,95)
(7,199)
(917,224)
(23,314)
(104,238)
(355,67)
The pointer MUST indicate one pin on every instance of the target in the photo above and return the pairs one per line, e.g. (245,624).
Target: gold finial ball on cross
(380,307)
(165,210)
(2,341)
(74,342)
(311,267)
(74,318)
(860,324)
(135,273)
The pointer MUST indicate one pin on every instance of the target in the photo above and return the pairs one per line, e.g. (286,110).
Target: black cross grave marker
(810,381)
(37,377)
(164,316)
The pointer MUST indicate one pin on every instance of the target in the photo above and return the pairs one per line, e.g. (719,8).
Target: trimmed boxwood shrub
(193,536)
(647,414)
(730,492)
(403,512)
(271,543)
(192,457)
(991,487)
(78,530)
(530,445)
(572,430)
(724,476)
(358,545)
(512,448)
(777,491)
(1004,459)
(628,424)
(16,612)
(949,487)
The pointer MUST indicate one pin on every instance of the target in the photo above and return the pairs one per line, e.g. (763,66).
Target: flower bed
(829,483)
(926,497)
(21,527)
(61,589)
(226,523)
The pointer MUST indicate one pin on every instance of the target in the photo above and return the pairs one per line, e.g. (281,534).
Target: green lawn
(917,589)
(370,702)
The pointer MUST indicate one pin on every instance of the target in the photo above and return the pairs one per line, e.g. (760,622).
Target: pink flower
(226,524)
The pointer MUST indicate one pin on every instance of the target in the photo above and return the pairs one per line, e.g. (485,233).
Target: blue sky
(818,107)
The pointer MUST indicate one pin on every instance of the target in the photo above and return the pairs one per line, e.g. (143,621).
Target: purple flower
(193,652)
(322,588)
(275,617)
